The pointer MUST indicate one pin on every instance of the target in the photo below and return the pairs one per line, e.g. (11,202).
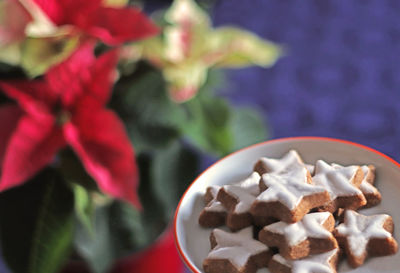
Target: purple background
(340,77)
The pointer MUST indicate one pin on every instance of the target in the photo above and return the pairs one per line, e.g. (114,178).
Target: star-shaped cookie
(372,195)
(321,263)
(214,214)
(288,162)
(288,196)
(312,235)
(342,184)
(237,199)
(236,252)
(361,236)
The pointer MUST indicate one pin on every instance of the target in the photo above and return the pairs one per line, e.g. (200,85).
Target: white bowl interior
(193,240)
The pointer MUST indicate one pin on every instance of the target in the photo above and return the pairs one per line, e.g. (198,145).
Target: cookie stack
(293,217)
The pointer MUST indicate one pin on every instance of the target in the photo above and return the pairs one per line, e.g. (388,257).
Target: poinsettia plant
(105,118)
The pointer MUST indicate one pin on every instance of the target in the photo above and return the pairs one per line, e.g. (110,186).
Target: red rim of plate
(180,251)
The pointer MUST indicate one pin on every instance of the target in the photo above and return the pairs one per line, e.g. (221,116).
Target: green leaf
(203,120)
(36,224)
(239,48)
(119,229)
(153,218)
(146,109)
(247,127)
(145,96)
(39,54)
(97,247)
(146,137)
(206,125)
(73,171)
(131,233)
(184,77)
(173,170)
(84,207)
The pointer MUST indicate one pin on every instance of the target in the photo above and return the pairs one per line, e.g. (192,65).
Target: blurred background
(341,73)
(338,77)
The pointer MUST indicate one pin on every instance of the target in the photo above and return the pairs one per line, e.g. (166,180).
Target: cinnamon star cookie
(312,235)
(288,196)
(342,184)
(361,236)
(236,252)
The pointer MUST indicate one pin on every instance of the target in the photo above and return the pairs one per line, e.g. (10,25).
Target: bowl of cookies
(293,205)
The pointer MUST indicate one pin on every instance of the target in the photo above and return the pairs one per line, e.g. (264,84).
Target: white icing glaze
(312,264)
(336,179)
(250,184)
(359,229)
(214,204)
(310,168)
(245,198)
(237,247)
(366,170)
(289,161)
(310,226)
(245,192)
(288,188)
(366,187)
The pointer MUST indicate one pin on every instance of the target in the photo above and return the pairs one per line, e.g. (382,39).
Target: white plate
(193,241)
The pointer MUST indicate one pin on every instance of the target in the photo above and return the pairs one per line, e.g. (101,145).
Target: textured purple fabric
(340,77)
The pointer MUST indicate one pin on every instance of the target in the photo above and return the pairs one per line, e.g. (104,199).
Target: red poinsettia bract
(111,25)
(66,107)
